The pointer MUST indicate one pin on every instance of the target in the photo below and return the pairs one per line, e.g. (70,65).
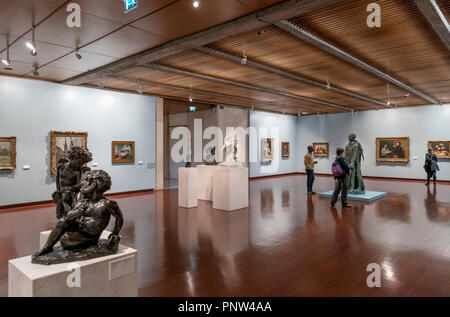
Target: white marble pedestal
(230,188)
(114,275)
(205,175)
(187,187)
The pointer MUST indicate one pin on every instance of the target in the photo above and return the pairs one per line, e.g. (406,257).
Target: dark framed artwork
(285,149)
(266,150)
(321,149)
(61,142)
(393,149)
(8,153)
(440,148)
(122,152)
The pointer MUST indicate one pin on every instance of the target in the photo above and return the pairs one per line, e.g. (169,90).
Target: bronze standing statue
(79,230)
(353,155)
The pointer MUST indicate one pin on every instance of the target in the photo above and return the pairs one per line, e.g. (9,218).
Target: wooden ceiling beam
(285,10)
(209,93)
(331,49)
(243,85)
(289,75)
(433,14)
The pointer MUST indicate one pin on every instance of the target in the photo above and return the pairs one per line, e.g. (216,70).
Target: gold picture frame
(266,150)
(8,153)
(122,151)
(395,149)
(321,149)
(285,149)
(57,149)
(440,148)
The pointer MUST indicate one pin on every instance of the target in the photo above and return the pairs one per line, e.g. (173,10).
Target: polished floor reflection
(285,244)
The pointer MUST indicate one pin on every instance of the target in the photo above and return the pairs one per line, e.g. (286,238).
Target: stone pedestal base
(205,175)
(187,187)
(230,188)
(113,275)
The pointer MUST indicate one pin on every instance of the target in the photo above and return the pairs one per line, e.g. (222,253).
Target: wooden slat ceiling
(405,47)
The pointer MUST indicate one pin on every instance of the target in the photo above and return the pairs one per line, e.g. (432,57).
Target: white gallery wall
(30,109)
(420,124)
(282,128)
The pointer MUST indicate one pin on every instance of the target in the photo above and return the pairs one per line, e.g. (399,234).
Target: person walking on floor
(431,166)
(309,168)
(341,172)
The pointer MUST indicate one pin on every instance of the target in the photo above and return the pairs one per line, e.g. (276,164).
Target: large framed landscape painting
(321,149)
(440,148)
(393,149)
(266,150)
(8,153)
(122,151)
(61,142)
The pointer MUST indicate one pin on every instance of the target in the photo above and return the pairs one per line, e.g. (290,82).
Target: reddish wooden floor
(283,245)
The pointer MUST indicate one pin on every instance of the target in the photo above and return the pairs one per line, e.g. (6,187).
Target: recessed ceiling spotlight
(196,4)
(78,55)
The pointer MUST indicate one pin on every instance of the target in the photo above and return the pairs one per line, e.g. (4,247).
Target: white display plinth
(114,275)
(187,187)
(205,181)
(230,188)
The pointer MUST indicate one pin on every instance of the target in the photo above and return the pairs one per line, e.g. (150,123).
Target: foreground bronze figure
(68,179)
(353,154)
(80,229)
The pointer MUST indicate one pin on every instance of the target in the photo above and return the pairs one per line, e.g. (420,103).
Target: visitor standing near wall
(309,168)
(431,166)
(341,172)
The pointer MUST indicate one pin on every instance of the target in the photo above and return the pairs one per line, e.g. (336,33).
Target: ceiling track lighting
(77,54)
(100,84)
(32,45)
(328,84)
(244,59)
(190,97)
(6,60)
(36,71)
(140,91)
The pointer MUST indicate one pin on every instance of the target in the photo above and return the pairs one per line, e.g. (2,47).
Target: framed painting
(393,149)
(122,151)
(321,149)
(8,153)
(266,150)
(61,142)
(440,148)
(285,149)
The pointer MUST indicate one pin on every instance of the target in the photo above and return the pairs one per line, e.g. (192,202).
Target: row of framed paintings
(392,149)
(60,143)
(267,150)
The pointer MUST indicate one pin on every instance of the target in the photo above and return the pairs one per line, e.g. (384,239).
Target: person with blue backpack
(341,173)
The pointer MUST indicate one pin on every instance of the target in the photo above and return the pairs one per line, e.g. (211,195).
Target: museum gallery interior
(180,148)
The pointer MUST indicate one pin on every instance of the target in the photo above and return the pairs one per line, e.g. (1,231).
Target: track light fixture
(140,90)
(196,4)
(35,71)
(328,84)
(78,55)
(6,60)
(32,45)
(100,84)
(244,59)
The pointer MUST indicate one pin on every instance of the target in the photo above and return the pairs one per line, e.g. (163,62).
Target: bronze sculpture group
(83,213)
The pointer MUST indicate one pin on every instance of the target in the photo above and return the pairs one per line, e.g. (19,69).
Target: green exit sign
(130,5)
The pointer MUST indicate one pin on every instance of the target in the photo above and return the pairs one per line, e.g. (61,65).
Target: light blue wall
(30,109)
(420,124)
(263,122)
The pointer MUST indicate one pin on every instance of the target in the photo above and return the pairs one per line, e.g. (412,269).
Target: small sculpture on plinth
(210,158)
(353,154)
(231,150)
(68,179)
(79,230)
